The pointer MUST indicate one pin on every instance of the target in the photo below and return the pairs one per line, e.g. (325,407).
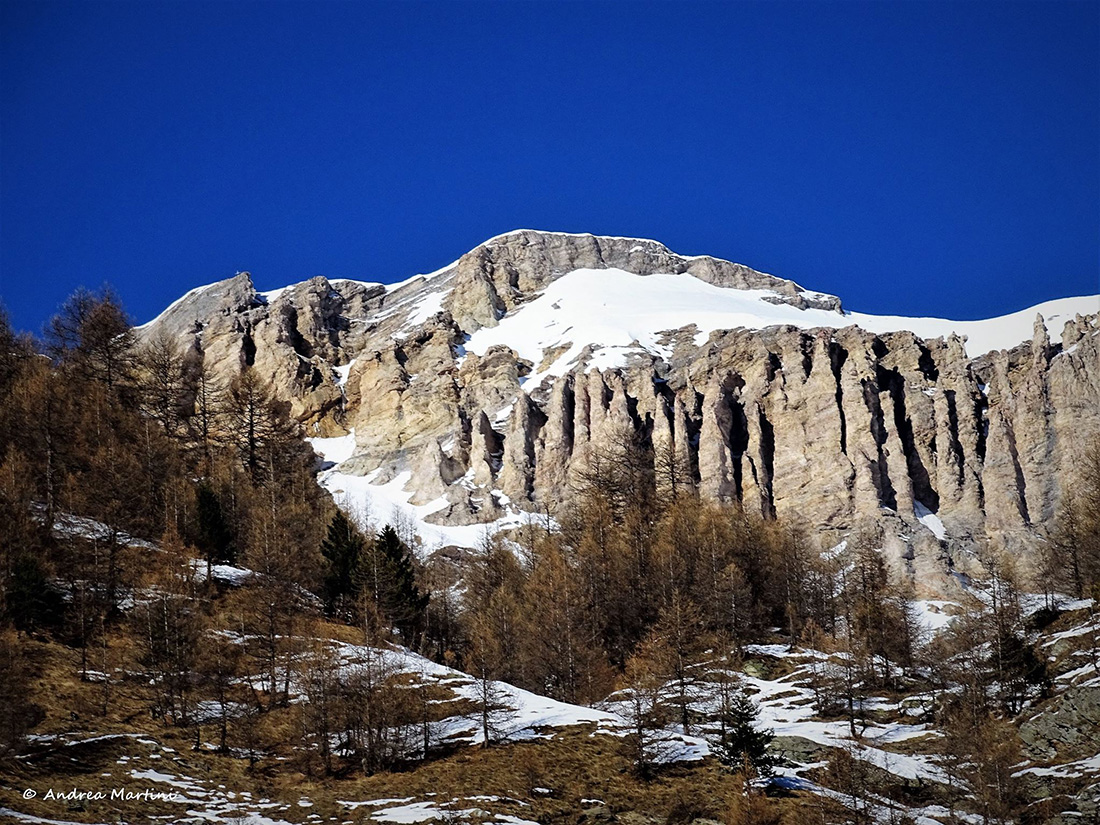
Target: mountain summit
(485,392)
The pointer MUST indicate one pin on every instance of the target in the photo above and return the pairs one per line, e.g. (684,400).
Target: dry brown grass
(573,763)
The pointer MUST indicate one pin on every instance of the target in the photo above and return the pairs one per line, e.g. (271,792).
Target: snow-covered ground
(935,614)
(453,811)
(66,525)
(929,520)
(390,503)
(617,311)
(785,705)
(226,573)
(527,713)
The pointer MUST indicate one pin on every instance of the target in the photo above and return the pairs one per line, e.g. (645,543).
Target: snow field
(390,503)
(617,312)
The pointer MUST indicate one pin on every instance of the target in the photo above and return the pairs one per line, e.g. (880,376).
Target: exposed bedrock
(831,428)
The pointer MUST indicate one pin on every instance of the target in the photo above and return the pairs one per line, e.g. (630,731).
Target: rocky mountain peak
(501,273)
(479,394)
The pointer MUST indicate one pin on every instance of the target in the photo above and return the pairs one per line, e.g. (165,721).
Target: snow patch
(342,373)
(427,306)
(235,576)
(618,312)
(337,449)
(929,520)
(935,614)
(390,503)
(272,294)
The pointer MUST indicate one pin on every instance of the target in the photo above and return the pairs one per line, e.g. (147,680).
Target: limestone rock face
(828,424)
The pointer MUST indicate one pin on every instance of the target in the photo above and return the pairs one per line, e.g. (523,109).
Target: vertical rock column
(810,466)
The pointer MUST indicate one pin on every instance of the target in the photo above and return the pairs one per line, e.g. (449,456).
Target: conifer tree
(390,579)
(562,660)
(680,626)
(485,661)
(1073,554)
(343,550)
(280,545)
(218,666)
(162,381)
(744,743)
(206,411)
(18,713)
(320,672)
(113,490)
(171,623)
(43,414)
(16,353)
(495,597)
(28,599)
(93,334)
(643,676)
(213,537)
(31,600)
(259,426)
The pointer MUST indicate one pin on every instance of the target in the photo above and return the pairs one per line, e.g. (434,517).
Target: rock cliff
(490,385)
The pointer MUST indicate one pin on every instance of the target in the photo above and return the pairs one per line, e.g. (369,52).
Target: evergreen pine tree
(214,539)
(31,601)
(390,579)
(743,742)
(343,549)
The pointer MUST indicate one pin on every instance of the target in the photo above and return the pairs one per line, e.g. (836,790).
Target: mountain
(483,393)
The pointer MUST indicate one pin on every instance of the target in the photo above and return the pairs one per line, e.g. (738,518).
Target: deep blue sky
(916,158)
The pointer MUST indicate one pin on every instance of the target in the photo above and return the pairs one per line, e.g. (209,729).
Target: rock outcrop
(831,426)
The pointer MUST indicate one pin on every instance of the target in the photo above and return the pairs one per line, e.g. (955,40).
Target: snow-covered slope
(377,504)
(1002,332)
(615,311)
(612,308)
(524,714)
